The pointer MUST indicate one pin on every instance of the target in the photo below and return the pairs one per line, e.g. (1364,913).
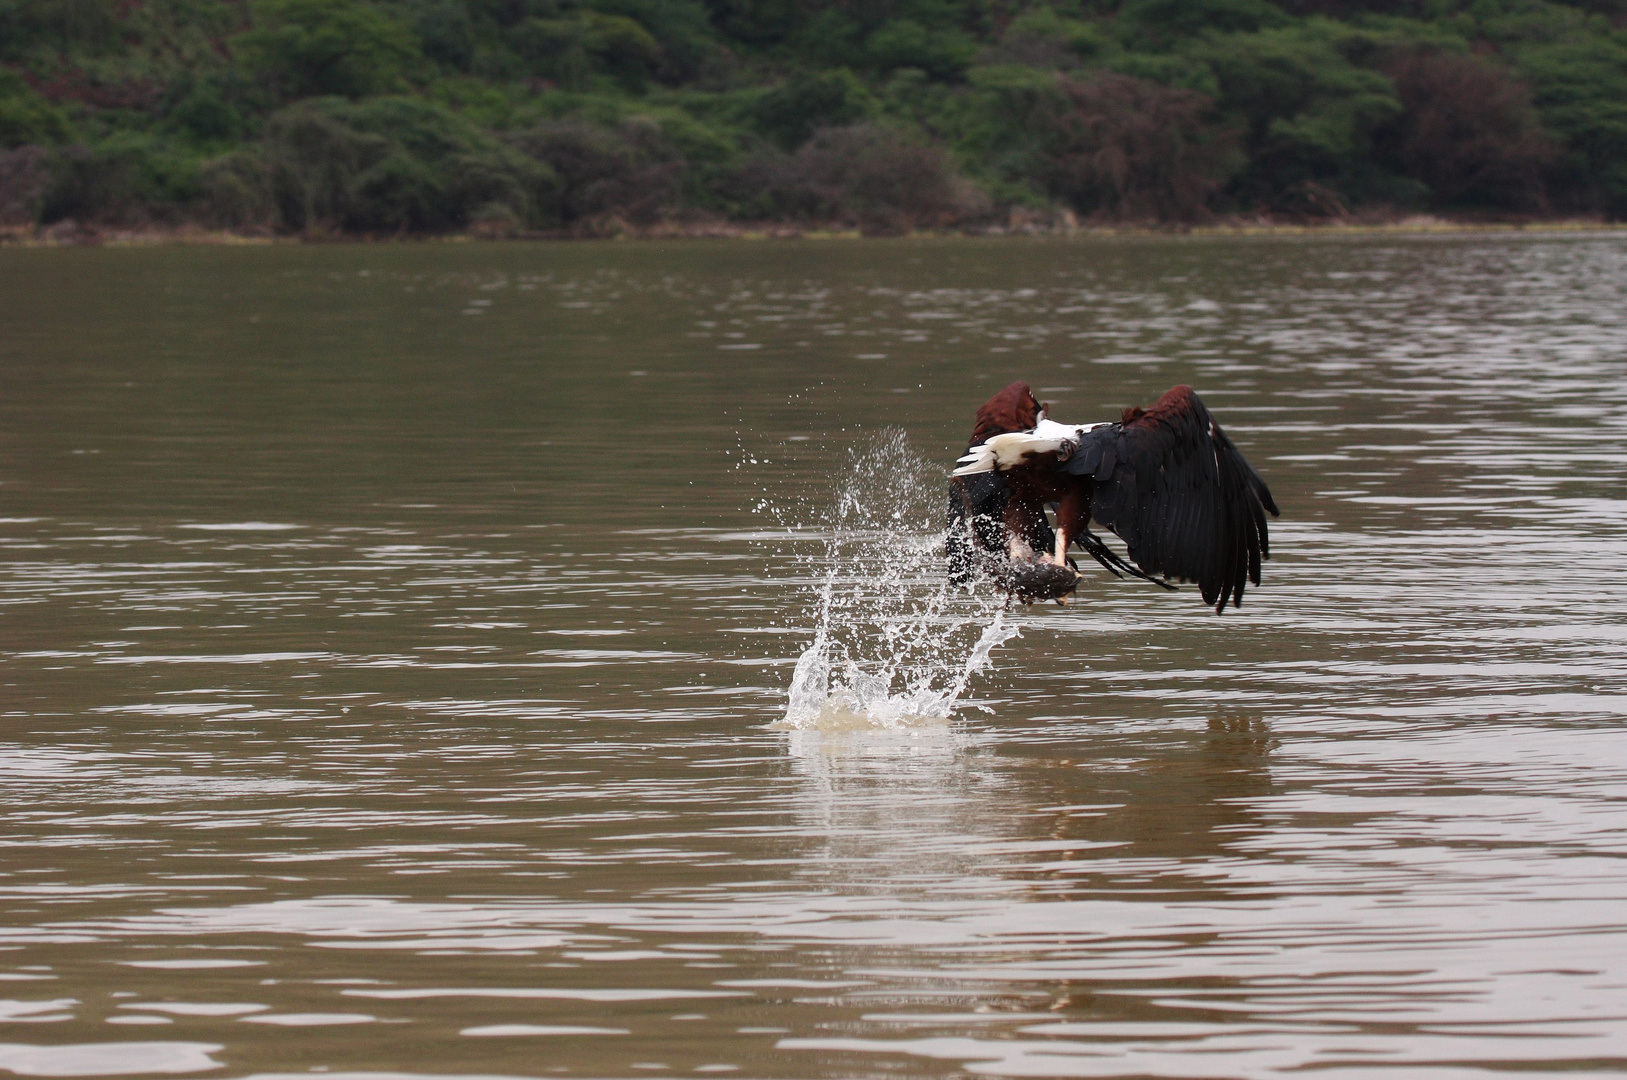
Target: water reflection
(1185,799)
(922,810)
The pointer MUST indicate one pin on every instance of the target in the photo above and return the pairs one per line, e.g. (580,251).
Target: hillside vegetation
(592,117)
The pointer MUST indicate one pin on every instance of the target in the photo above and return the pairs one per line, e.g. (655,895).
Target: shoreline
(71,234)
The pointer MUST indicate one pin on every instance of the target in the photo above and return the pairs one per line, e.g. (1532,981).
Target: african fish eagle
(1166,480)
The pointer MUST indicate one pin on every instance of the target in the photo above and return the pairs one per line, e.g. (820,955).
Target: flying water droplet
(895,644)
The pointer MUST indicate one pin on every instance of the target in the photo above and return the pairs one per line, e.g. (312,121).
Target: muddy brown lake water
(395,642)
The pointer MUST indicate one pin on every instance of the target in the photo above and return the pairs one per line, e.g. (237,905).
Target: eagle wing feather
(1170,483)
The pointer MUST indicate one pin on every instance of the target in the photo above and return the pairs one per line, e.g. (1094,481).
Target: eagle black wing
(1172,486)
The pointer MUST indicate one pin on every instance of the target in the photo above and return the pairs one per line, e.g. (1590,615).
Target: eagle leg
(1072,519)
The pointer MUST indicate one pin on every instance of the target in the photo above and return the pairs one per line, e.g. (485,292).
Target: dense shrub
(682,30)
(394,165)
(235,192)
(25,116)
(1111,145)
(866,175)
(300,48)
(1469,132)
(1306,112)
(940,51)
(206,116)
(1166,20)
(1043,39)
(446,34)
(57,25)
(789,113)
(1129,149)
(570,51)
(24,178)
(631,172)
(1580,90)
(128,180)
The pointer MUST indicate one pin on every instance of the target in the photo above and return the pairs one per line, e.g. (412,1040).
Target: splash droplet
(895,644)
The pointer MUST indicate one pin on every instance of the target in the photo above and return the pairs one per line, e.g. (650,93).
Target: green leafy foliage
(588,116)
(572,51)
(1113,146)
(942,52)
(1306,111)
(128,179)
(876,178)
(1041,38)
(630,173)
(394,164)
(1580,89)
(794,110)
(300,48)
(89,26)
(25,116)
(207,116)
(1164,21)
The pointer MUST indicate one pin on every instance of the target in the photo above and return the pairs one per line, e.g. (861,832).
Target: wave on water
(895,644)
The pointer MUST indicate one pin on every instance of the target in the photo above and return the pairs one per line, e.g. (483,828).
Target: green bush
(383,116)
(631,172)
(1306,113)
(555,49)
(831,37)
(681,29)
(304,48)
(1043,39)
(942,52)
(1580,91)
(571,51)
(446,34)
(25,116)
(57,25)
(789,112)
(395,165)
(25,177)
(875,177)
(235,192)
(130,179)
(1162,21)
(999,125)
(1110,145)
(206,116)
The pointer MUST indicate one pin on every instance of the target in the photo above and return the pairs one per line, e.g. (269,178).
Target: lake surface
(395,641)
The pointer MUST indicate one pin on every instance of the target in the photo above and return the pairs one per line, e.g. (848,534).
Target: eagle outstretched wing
(1170,484)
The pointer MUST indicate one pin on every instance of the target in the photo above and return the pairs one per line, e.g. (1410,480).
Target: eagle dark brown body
(1165,479)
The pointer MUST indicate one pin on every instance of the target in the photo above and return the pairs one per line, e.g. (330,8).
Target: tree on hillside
(309,48)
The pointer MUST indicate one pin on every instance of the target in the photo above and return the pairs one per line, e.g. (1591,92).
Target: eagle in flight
(1166,480)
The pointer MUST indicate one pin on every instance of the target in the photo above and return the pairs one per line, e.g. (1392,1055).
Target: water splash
(894,643)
